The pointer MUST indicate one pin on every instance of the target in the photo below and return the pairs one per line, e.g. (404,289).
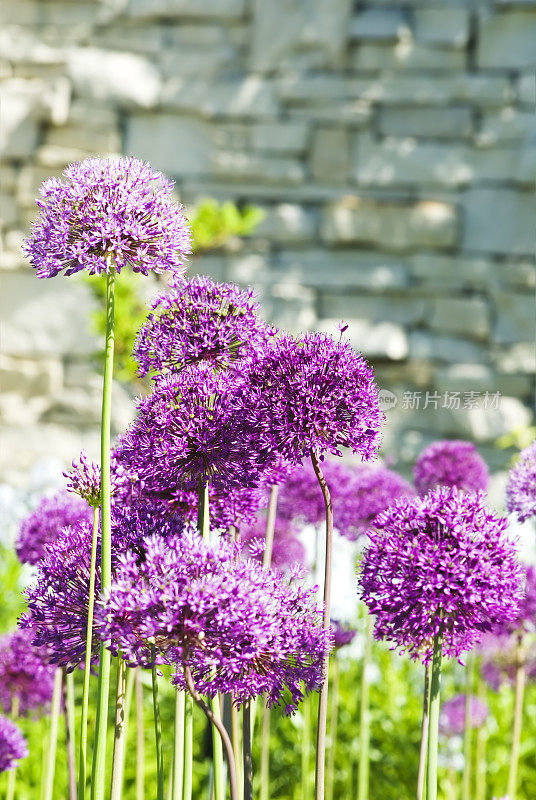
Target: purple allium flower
(199,320)
(45,523)
(311,395)
(108,213)
(85,479)
(451,463)
(439,565)
(287,550)
(187,432)
(58,599)
(13,745)
(342,636)
(240,628)
(358,494)
(25,673)
(521,487)
(452,716)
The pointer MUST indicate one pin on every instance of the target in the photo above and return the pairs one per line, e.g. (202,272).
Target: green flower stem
(468,730)
(306,747)
(270,528)
(203,525)
(99,756)
(424,732)
(12,774)
(140,737)
(433,732)
(157,735)
(246,750)
(265,754)
(518,717)
(82,755)
(364,716)
(178,748)
(323,697)
(237,747)
(334,714)
(481,739)
(131,677)
(68,711)
(120,731)
(188,747)
(53,742)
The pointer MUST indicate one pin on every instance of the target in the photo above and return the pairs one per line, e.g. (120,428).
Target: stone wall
(391,144)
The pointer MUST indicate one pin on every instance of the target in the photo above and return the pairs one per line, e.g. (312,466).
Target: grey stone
(499,221)
(507,124)
(395,226)
(442,26)
(250,269)
(292,306)
(431,346)
(121,77)
(30,377)
(515,316)
(287,222)
(400,309)
(174,144)
(213,265)
(507,40)
(516,358)
(283,28)
(378,24)
(224,9)
(353,114)
(330,155)
(281,137)
(191,59)
(465,378)
(329,269)
(39,316)
(88,140)
(20,116)
(526,88)
(517,275)
(8,210)
(374,340)
(461,316)
(406,55)
(392,162)
(251,96)
(436,123)
(238,166)
(441,272)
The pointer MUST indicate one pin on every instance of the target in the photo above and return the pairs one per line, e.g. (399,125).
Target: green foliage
(11,600)
(519,438)
(213,224)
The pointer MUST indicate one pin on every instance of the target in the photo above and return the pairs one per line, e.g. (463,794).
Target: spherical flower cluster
(26,676)
(342,635)
(311,395)
(452,716)
(240,628)
(13,745)
(501,656)
(108,214)
(45,523)
(439,566)
(451,463)
(373,490)
(199,321)
(287,550)
(187,433)
(521,487)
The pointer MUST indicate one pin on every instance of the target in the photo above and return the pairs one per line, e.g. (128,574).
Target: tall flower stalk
(421,774)
(140,737)
(68,712)
(433,732)
(518,718)
(178,748)
(364,715)
(468,727)
(53,738)
(82,755)
(120,731)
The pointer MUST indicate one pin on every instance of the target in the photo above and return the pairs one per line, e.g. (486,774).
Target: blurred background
(390,146)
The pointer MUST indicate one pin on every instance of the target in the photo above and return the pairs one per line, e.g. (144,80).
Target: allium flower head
(240,628)
(287,550)
(452,716)
(13,745)
(187,432)
(342,635)
(374,489)
(25,674)
(108,213)
(199,320)
(501,656)
(451,463)
(441,565)
(312,395)
(85,479)
(521,487)
(45,523)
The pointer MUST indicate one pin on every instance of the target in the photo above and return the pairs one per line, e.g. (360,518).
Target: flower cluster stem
(53,741)
(246,750)
(306,747)
(188,747)
(323,698)
(12,776)
(364,716)
(157,735)
(433,732)
(131,677)
(120,731)
(68,712)
(333,723)
(237,747)
(99,757)
(481,737)
(424,733)
(178,747)
(468,730)
(270,528)
(140,738)
(518,717)
(265,753)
